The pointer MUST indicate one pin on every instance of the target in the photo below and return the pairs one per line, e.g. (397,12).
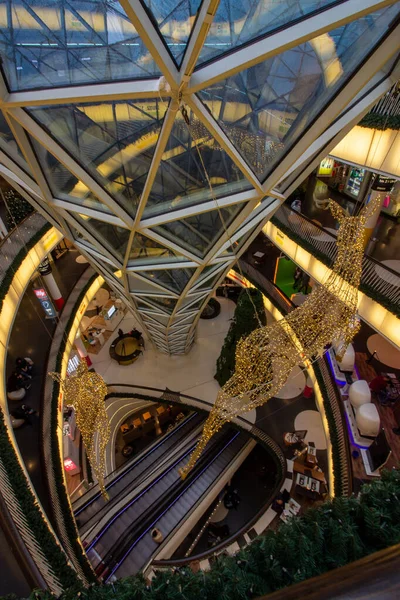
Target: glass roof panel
(7,141)
(266,108)
(114,141)
(145,250)
(172,279)
(181,178)
(198,233)
(63,184)
(175,20)
(111,236)
(236,23)
(51,43)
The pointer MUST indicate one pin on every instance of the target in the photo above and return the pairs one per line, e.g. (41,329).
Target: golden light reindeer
(265,359)
(86,392)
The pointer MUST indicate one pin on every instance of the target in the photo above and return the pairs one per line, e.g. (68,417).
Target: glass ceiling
(158,127)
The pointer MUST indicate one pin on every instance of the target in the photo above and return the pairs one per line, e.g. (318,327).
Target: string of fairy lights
(86,391)
(265,359)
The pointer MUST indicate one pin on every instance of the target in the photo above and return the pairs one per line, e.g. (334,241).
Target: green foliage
(332,535)
(243,323)
(57,474)
(51,550)
(18,209)
(382,122)
(390,305)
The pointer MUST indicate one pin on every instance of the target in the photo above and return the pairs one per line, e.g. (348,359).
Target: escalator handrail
(194,478)
(138,459)
(166,497)
(136,498)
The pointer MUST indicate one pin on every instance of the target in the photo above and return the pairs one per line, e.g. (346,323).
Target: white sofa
(359,393)
(368,420)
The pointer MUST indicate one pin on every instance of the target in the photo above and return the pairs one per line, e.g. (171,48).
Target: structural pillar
(81,348)
(46,271)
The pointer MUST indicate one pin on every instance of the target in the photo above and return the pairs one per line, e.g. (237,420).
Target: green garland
(381,299)
(381,122)
(336,533)
(29,506)
(243,323)
(69,521)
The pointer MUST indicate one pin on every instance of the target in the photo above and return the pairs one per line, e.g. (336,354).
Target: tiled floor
(30,336)
(192,374)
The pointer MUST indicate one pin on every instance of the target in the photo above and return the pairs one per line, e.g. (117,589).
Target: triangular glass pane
(175,21)
(145,250)
(136,284)
(63,184)
(50,44)
(265,109)
(114,141)
(172,279)
(113,237)
(236,23)
(165,304)
(199,233)
(8,143)
(158,318)
(210,282)
(181,178)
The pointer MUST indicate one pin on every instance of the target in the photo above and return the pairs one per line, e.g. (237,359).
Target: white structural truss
(160,135)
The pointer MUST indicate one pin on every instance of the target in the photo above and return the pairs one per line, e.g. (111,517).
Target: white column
(81,348)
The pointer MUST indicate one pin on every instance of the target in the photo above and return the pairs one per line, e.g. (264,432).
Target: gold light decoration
(86,392)
(266,357)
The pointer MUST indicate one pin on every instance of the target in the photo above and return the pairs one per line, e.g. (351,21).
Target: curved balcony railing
(36,540)
(343,481)
(378,281)
(154,394)
(389,104)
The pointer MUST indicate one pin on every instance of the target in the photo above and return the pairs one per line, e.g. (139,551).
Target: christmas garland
(335,534)
(376,121)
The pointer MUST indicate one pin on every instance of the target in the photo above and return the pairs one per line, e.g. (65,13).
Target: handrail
(389,104)
(342,447)
(343,464)
(373,577)
(377,280)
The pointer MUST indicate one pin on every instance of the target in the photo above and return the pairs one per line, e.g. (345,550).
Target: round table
(125,349)
(81,259)
(102,296)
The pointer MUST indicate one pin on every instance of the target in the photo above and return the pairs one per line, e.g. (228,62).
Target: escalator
(128,545)
(90,511)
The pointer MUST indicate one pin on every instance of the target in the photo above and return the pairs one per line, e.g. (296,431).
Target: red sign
(69,464)
(41,294)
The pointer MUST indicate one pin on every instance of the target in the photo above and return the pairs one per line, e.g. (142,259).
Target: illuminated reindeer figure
(86,392)
(265,359)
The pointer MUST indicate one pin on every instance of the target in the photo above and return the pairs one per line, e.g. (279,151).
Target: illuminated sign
(326,167)
(383,184)
(69,464)
(45,301)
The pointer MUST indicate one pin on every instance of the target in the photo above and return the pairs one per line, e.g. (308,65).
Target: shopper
(297,278)
(16,381)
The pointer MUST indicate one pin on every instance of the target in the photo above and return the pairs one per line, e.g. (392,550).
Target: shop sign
(383,184)
(45,301)
(326,167)
(45,267)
